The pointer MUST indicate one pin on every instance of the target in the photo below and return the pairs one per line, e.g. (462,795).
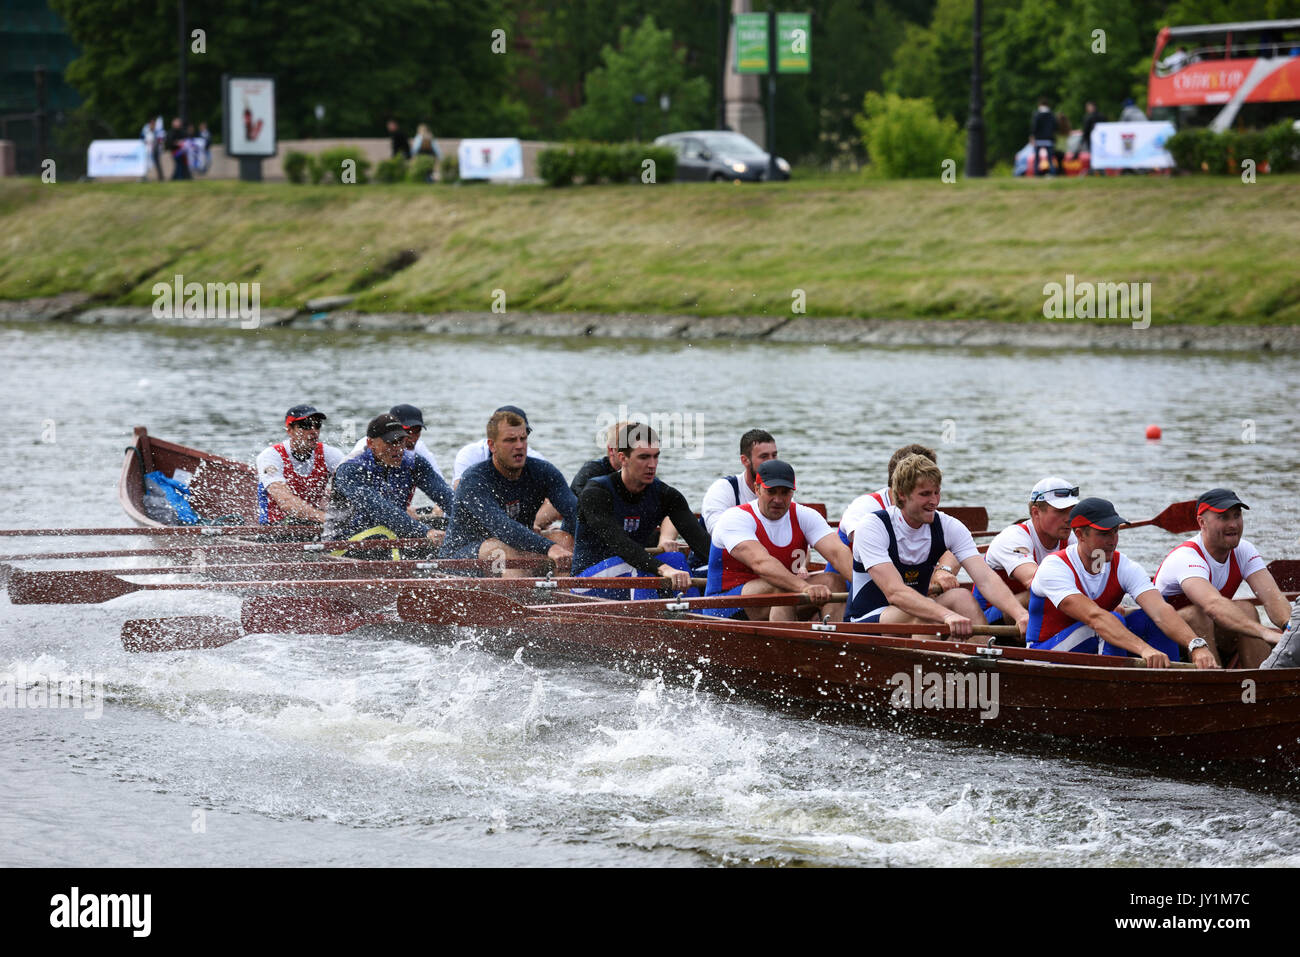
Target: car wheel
(717,178)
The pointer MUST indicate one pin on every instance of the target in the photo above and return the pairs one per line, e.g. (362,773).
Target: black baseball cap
(1218,500)
(519,412)
(299,412)
(408,415)
(1097,513)
(386,427)
(775,474)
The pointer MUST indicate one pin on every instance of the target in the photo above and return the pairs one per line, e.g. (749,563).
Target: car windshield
(732,144)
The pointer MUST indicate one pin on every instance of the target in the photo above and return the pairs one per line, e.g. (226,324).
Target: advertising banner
(250,115)
(491,159)
(1131,145)
(117,158)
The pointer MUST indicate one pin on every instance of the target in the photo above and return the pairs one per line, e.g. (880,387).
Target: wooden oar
(246,549)
(1286,572)
(31,588)
(176,634)
(75,587)
(1177,518)
(270,531)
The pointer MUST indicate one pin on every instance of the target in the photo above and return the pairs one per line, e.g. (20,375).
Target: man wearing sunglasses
(412,420)
(1200,577)
(1076,594)
(1018,550)
(292,475)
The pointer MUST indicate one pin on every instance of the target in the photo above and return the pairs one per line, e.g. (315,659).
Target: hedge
(1204,151)
(592,163)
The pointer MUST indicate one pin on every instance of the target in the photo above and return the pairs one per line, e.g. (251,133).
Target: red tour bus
(1205,75)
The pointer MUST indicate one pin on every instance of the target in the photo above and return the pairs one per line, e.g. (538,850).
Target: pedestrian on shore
(1131,113)
(1042,127)
(176,146)
(153,132)
(400,146)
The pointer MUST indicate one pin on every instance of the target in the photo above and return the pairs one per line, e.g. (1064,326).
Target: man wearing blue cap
(292,476)
(1077,589)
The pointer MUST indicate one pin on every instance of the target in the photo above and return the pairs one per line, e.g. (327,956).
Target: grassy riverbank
(1214,250)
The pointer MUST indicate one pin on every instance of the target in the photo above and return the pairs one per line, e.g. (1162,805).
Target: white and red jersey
(861,507)
(1016,545)
(787,539)
(306,478)
(1063,573)
(1192,559)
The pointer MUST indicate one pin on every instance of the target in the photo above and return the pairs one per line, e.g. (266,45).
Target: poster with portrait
(249,103)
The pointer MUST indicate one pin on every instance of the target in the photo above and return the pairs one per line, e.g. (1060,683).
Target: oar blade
(1286,572)
(459,606)
(179,634)
(66,587)
(1178,518)
(303,616)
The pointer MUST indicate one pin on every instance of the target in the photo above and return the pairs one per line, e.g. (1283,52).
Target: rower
(895,551)
(607,464)
(1200,577)
(292,476)
(476,452)
(497,501)
(944,576)
(1077,589)
(762,547)
(619,517)
(412,420)
(756,447)
(370,493)
(1017,551)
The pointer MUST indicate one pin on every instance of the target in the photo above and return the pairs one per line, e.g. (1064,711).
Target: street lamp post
(975,159)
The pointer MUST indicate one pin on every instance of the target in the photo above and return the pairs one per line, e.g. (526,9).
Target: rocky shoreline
(332,315)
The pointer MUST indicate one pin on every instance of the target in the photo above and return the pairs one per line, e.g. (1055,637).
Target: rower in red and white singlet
(1016,552)
(292,476)
(763,546)
(1200,578)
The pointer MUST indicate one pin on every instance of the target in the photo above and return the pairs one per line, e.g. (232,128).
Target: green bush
(422,168)
(332,160)
(665,159)
(296,166)
(905,138)
(449,169)
(1204,151)
(555,165)
(588,163)
(391,170)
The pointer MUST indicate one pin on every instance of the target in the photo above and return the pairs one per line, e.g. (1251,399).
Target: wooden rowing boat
(219,488)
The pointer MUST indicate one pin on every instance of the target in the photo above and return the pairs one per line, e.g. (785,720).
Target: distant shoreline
(967,333)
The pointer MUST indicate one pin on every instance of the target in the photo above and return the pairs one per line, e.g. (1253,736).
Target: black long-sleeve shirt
(601,534)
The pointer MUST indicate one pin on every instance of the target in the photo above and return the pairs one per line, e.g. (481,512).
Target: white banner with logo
(491,159)
(250,116)
(117,158)
(1132,145)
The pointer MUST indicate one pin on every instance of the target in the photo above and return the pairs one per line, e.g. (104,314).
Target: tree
(646,65)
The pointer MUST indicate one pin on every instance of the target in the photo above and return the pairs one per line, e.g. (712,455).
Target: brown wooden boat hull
(1236,715)
(221,486)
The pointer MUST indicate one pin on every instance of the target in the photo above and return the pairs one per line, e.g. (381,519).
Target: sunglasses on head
(1056,493)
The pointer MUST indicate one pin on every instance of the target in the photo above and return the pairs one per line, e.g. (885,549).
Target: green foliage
(646,64)
(391,170)
(904,137)
(422,169)
(421,59)
(605,163)
(1204,151)
(449,170)
(331,164)
(297,166)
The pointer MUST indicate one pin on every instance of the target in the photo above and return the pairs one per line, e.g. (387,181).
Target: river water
(333,750)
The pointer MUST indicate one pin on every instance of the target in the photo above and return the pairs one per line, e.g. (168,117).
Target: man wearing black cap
(292,476)
(370,492)
(1201,576)
(497,501)
(1076,590)
(763,547)
(412,420)
(619,517)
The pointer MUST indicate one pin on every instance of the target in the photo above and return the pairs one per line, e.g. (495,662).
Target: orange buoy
(1153,431)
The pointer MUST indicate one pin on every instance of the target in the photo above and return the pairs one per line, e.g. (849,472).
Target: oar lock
(824,625)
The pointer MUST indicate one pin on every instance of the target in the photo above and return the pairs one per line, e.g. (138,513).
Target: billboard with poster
(249,107)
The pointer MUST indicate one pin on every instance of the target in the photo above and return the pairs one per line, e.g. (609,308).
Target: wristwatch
(1197,643)
(945,568)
